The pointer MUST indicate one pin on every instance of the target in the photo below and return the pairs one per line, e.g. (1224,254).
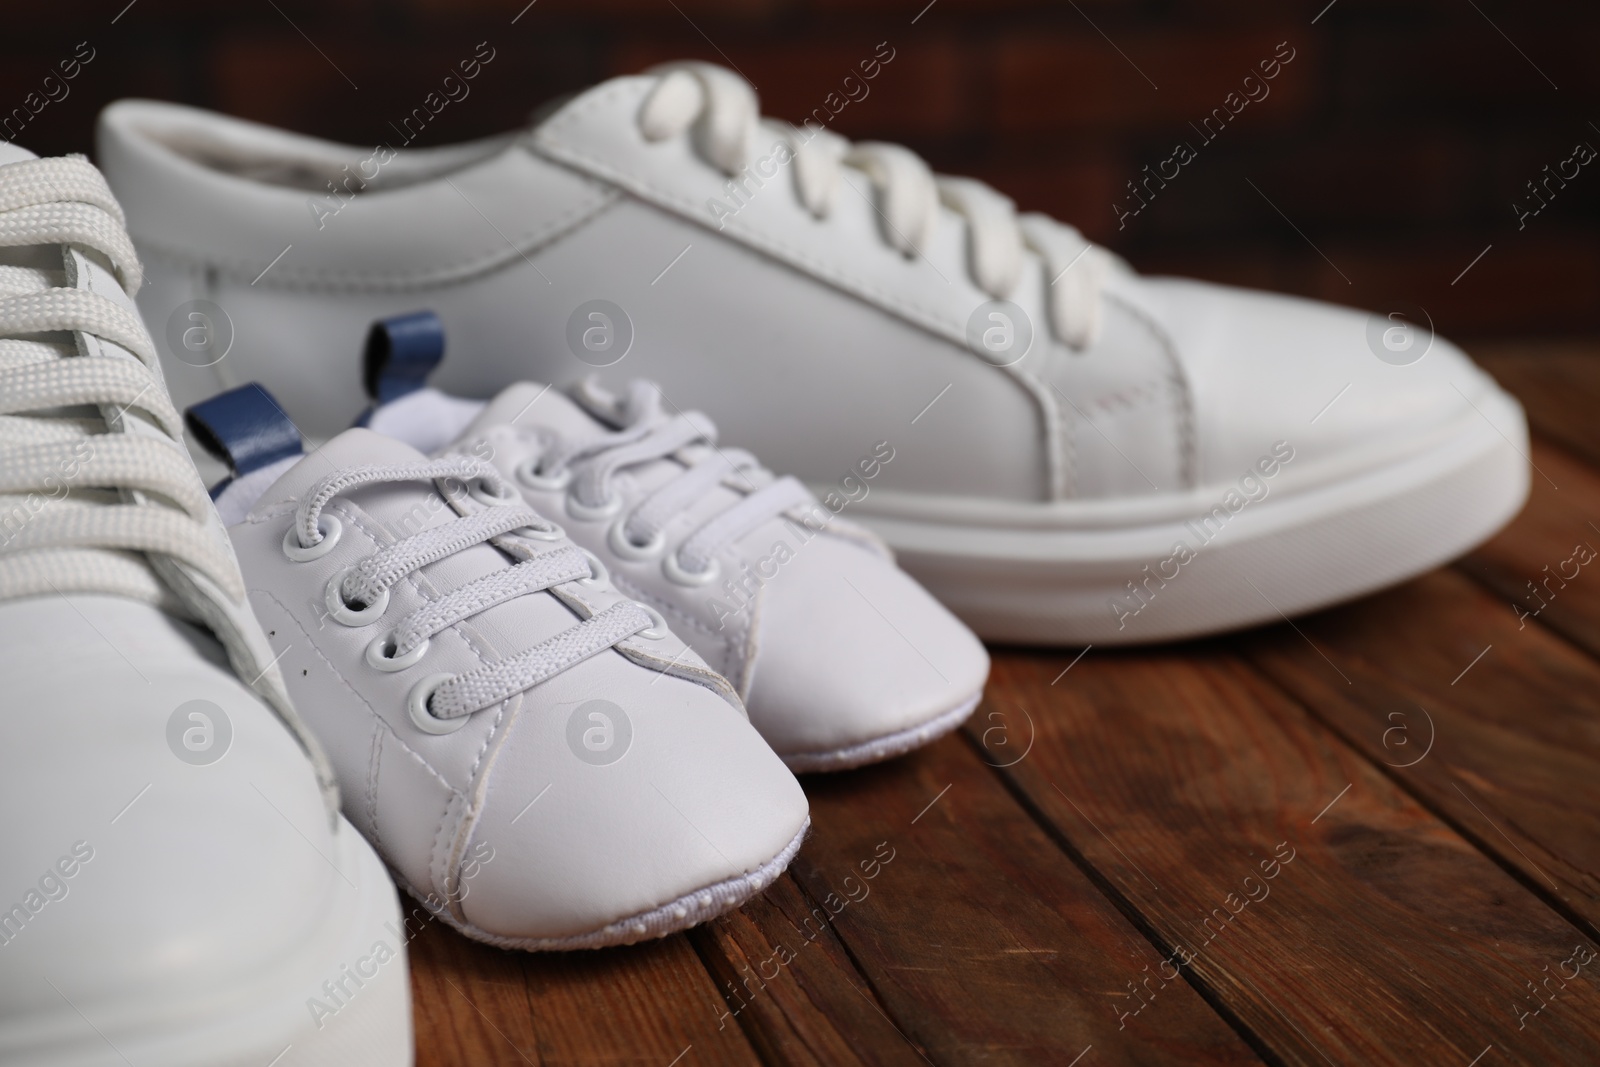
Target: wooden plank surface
(1384,937)
(1082,875)
(984,941)
(1559,385)
(487,1007)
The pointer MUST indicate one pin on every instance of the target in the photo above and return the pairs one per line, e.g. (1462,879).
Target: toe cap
(623,791)
(851,650)
(1335,383)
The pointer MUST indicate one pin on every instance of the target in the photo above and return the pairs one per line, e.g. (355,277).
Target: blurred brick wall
(1386,155)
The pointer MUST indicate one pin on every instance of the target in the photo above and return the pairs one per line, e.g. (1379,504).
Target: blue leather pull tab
(244,427)
(401,352)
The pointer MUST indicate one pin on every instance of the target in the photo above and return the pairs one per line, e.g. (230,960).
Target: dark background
(1396,142)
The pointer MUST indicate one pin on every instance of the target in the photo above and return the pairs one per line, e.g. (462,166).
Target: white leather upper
(598,843)
(202,892)
(806,338)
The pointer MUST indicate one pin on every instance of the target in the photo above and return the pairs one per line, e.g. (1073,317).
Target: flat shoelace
(650,434)
(50,541)
(497,524)
(725,105)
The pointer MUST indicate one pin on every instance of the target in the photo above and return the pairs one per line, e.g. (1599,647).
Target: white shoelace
(97,493)
(78,498)
(647,434)
(725,107)
(511,527)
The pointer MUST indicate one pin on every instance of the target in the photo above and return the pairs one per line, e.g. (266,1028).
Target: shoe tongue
(395,504)
(406,508)
(14,153)
(530,405)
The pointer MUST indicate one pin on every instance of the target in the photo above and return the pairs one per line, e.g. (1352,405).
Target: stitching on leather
(292,279)
(353,691)
(638,592)
(1124,401)
(478,801)
(752,645)
(1178,382)
(426,590)
(374,771)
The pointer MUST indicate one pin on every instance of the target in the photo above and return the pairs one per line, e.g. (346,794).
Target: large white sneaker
(840,656)
(175,887)
(1082,454)
(522,743)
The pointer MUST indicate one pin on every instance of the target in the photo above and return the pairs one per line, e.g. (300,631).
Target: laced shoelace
(725,107)
(364,588)
(647,434)
(97,493)
(108,495)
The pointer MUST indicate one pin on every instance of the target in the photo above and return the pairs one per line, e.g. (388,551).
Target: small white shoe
(841,658)
(523,744)
(176,884)
(1082,454)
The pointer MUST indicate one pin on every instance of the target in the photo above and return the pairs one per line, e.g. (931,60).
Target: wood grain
(790,983)
(478,1006)
(1507,747)
(1388,939)
(981,939)
(1537,565)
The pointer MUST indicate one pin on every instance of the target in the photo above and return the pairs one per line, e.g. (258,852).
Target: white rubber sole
(1298,549)
(273,1021)
(882,748)
(691,909)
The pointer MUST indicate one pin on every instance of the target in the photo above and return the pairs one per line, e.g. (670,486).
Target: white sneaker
(1082,454)
(518,740)
(175,888)
(841,658)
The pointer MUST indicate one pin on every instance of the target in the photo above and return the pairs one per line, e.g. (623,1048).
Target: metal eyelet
(479,492)
(599,513)
(533,533)
(658,628)
(344,613)
(417,706)
(328,525)
(623,546)
(379,659)
(676,573)
(527,472)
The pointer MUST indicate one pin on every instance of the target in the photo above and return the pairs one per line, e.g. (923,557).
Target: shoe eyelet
(599,513)
(417,707)
(379,659)
(623,546)
(478,491)
(344,613)
(676,573)
(658,624)
(533,533)
(328,525)
(598,575)
(527,472)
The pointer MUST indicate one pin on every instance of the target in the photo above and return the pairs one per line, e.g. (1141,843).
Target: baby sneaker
(841,657)
(536,756)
